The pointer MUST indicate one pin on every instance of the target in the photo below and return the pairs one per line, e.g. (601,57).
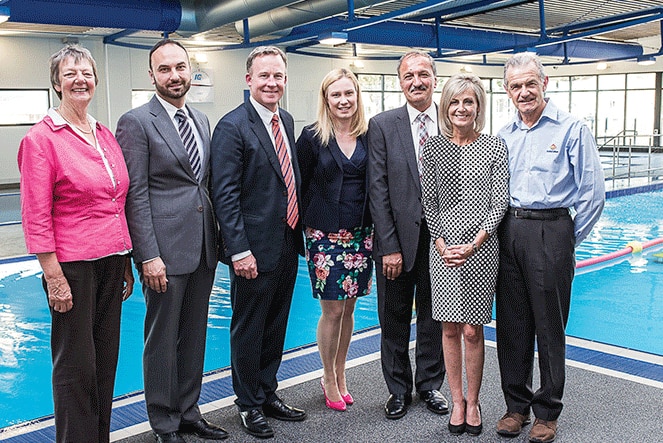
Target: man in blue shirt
(557,195)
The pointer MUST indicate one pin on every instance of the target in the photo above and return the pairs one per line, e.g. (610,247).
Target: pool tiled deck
(607,368)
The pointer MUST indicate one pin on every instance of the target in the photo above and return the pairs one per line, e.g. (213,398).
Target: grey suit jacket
(394,186)
(169,212)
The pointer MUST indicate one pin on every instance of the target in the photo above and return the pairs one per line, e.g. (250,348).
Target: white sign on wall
(202,88)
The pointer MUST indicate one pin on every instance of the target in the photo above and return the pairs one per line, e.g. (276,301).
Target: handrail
(631,247)
(621,133)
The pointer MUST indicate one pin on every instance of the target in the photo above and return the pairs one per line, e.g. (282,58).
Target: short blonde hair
(324,126)
(261,51)
(458,84)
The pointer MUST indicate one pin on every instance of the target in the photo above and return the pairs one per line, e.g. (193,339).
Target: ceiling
(468,31)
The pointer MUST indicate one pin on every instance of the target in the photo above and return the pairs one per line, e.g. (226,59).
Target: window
(23,106)
(603,101)
(140,97)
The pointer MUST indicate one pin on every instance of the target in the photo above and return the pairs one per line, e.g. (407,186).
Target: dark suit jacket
(395,188)
(249,194)
(321,169)
(169,212)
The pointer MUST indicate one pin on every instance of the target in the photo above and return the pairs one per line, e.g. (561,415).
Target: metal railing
(630,157)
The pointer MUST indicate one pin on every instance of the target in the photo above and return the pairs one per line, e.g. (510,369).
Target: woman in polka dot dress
(465,196)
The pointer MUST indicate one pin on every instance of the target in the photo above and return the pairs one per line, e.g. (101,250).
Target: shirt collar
(264,113)
(58,120)
(550,112)
(170,108)
(413,113)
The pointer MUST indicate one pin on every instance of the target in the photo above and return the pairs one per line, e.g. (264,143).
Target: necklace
(76,126)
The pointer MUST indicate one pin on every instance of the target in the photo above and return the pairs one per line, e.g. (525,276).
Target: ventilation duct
(153,15)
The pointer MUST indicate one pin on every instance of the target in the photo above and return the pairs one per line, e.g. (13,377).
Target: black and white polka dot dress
(464,189)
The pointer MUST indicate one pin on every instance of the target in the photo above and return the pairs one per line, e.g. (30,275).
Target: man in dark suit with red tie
(255,179)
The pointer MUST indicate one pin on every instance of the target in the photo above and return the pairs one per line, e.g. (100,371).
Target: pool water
(620,305)
(25,359)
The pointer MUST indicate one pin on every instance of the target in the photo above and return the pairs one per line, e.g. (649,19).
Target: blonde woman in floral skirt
(339,235)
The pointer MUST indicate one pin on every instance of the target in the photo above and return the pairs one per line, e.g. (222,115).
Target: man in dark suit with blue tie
(171,223)
(402,240)
(255,182)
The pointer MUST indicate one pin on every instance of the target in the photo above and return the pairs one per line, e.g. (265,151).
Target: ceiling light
(601,66)
(4,14)
(333,38)
(199,57)
(646,60)
(357,64)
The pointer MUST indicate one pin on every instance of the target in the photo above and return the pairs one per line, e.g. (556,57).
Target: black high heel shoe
(457,429)
(472,429)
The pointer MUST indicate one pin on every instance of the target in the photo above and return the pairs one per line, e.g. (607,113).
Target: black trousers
(84,347)
(395,299)
(537,265)
(257,329)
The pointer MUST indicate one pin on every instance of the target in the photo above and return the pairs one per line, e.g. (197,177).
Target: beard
(167,93)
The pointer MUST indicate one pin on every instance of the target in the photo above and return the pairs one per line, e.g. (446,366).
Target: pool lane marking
(580,353)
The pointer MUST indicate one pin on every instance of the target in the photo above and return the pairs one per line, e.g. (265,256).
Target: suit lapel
(258,128)
(404,131)
(165,127)
(335,152)
(289,125)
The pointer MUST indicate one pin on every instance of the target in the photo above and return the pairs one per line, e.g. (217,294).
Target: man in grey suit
(255,182)
(171,223)
(402,240)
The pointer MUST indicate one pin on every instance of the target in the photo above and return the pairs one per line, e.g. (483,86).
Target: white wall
(25,65)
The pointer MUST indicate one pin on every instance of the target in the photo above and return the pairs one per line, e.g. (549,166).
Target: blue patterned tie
(189,142)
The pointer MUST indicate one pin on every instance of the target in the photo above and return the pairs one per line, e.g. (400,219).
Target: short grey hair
(76,52)
(524,59)
(413,54)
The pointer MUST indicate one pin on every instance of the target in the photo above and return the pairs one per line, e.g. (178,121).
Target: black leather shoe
(435,401)
(457,429)
(204,429)
(280,411)
(255,423)
(396,406)
(169,437)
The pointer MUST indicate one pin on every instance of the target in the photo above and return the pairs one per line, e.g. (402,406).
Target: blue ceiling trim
(451,41)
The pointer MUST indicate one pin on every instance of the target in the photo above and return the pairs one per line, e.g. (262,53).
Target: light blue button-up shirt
(556,164)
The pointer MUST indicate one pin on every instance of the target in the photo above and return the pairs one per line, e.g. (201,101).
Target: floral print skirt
(340,263)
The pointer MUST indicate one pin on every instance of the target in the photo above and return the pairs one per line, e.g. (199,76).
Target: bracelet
(475,249)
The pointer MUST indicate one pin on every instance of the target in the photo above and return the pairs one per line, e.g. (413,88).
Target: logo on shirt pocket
(552,148)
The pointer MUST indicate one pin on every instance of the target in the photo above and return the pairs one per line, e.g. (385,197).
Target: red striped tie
(286,170)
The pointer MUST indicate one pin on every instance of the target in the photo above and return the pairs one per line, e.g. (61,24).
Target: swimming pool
(25,361)
(607,306)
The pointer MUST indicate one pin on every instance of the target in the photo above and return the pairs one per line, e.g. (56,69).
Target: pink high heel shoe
(335,405)
(347,398)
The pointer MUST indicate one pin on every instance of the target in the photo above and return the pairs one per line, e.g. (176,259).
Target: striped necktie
(189,142)
(423,136)
(286,170)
